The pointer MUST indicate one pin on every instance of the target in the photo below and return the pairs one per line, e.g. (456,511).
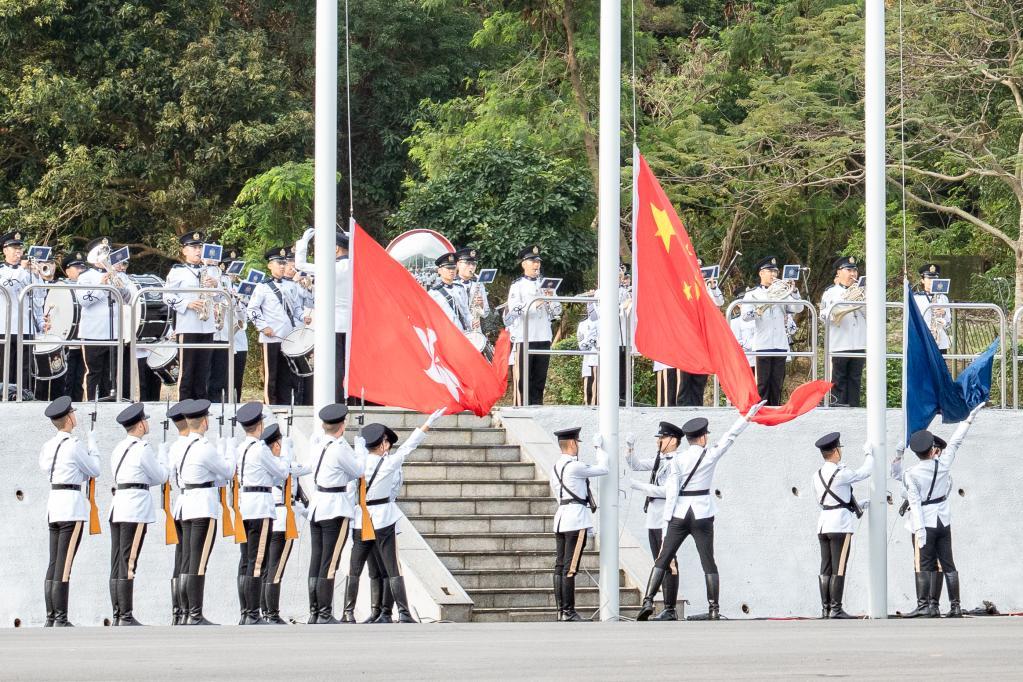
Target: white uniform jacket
(134,462)
(570,483)
(929,482)
(258,468)
(386,474)
(472,286)
(942,323)
(833,517)
(296,470)
(273,305)
(744,330)
(654,490)
(586,337)
(342,285)
(187,321)
(851,333)
(522,291)
(451,299)
(335,466)
(67,462)
(683,464)
(177,449)
(14,279)
(201,464)
(770,332)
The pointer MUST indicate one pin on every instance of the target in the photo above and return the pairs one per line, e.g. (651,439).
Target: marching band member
(668,438)
(667,384)
(74,265)
(475,291)
(937,318)
(451,297)
(149,384)
(573,521)
(14,278)
(848,333)
(771,334)
(97,324)
(342,299)
(833,484)
(541,316)
(275,312)
(744,331)
(176,415)
(692,386)
(69,466)
(689,507)
(299,285)
(136,469)
(586,338)
(194,320)
(624,311)
(219,357)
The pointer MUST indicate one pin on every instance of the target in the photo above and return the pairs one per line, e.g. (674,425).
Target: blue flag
(930,389)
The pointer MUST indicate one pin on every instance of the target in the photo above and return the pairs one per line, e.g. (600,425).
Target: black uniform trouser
(279,552)
(667,387)
(340,349)
(656,539)
(257,542)
(278,379)
(938,549)
(218,375)
(65,537)
(385,547)
(363,552)
(125,546)
(568,553)
(590,387)
(771,376)
(12,363)
(702,531)
(180,550)
(691,390)
(97,371)
(194,372)
(74,378)
(847,375)
(327,537)
(199,535)
(537,369)
(834,552)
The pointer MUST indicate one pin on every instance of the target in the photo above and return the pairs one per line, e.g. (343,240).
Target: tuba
(780,289)
(854,294)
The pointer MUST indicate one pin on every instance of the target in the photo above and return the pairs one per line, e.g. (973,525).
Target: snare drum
(152,315)
(49,360)
(480,342)
(163,360)
(64,313)
(297,349)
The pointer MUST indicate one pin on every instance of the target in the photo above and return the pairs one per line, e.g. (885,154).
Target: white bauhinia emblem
(437,371)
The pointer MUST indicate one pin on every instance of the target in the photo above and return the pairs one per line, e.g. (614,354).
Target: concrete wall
(23,541)
(766,546)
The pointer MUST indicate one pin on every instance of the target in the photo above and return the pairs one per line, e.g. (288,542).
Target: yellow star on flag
(696,286)
(664,229)
(687,290)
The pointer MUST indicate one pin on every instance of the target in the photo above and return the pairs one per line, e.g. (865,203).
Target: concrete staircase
(488,517)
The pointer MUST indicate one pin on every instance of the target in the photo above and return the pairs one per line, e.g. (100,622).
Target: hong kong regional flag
(403,350)
(677,323)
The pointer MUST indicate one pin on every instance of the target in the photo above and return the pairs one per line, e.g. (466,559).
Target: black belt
(936,500)
(196,486)
(693,493)
(66,486)
(279,504)
(133,486)
(382,500)
(256,489)
(336,489)
(564,502)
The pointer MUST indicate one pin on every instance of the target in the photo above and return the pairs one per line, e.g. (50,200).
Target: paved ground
(972,648)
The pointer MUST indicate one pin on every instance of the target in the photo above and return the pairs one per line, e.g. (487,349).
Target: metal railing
(526,352)
(999,356)
(63,343)
(802,303)
(7,342)
(829,354)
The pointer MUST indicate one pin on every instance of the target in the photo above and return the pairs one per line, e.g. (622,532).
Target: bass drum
(480,342)
(152,315)
(63,312)
(297,349)
(163,361)
(49,359)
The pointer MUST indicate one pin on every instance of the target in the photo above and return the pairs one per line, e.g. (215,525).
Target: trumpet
(45,269)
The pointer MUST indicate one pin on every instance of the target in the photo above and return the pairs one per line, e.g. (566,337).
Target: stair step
(497,523)
(474,488)
(472,454)
(416,507)
(494,578)
(539,614)
(511,560)
(475,471)
(490,542)
(586,596)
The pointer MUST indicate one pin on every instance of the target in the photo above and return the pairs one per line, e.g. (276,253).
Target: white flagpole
(325,199)
(874,114)
(609,186)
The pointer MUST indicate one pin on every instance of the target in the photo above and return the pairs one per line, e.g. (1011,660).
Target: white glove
(90,440)
(598,440)
(288,448)
(753,410)
(634,484)
(921,537)
(360,443)
(162,450)
(432,419)
(308,234)
(222,447)
(864,504)
(300,511)
(974,411)
(867,449)
(630,440)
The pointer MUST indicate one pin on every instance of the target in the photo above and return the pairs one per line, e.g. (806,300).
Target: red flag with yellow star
(677,322)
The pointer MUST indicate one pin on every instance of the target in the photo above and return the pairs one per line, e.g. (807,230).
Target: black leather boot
(325,600)
(923,591)
(376,599)
(253,593)
(934,593)
(115,619)
(183,600)
(670,597)
(314,607)
(955,610)
(837,590)
(386,602)
(568,600)
(125,600)
(261,602)
(713,581)
(272,597)
(653,584)
(824,582)
(351,596)
(48,598)
(243,601)
(175,603)
(559,596)
(60,599)
(195,587)
(397,585)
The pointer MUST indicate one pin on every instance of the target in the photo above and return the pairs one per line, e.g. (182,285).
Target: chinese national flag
(403,351)
(677,323)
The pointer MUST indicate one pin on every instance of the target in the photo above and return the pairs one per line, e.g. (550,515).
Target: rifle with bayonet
(170,532)
(94,527)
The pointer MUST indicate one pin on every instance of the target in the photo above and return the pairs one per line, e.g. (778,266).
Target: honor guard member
(97,324)
(74,265)
(194,321)
(541,315)
(689,507)
(335,465)
(13,279)
(342,300)
(451,297)
(284,506)
(833,484)
(177,417)
(136,469)
(202,471)
(586,337)
(669,437)
(274,311)
(219,357)
(847,329)
(693,386)
(258,471)
(928,485)
(475,291)
(573,520)
(376,520)
(251,422)
(771,335)
(938,319)
(69,467)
